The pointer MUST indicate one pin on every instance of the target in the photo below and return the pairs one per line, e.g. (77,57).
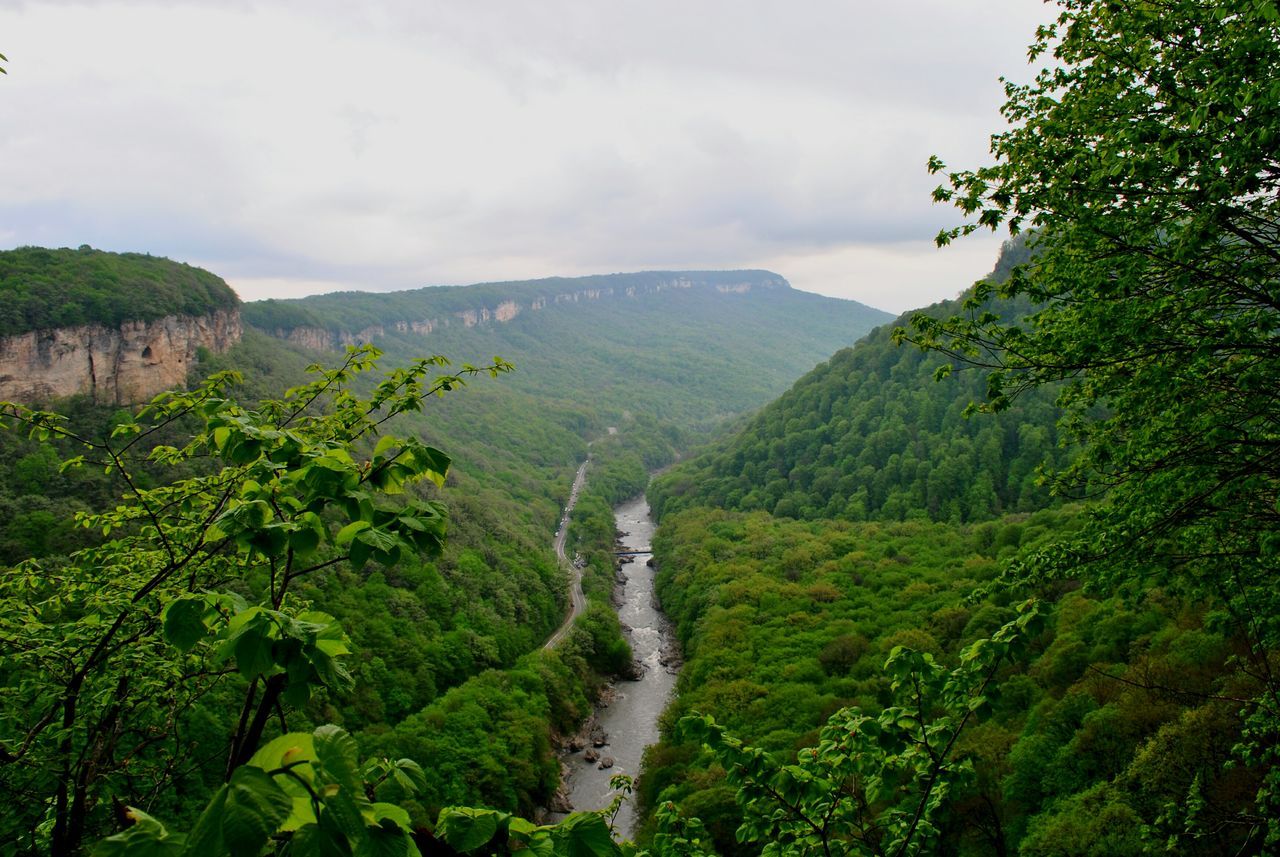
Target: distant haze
(299,147)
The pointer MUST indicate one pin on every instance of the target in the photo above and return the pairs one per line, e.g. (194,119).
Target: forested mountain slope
(869,435)
(908,511)
(686,345)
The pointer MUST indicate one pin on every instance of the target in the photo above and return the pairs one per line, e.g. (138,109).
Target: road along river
(629,722)
(577,601)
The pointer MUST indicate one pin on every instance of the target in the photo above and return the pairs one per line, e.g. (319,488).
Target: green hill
(861,512)
(869,435)
(685,344)
(42,288)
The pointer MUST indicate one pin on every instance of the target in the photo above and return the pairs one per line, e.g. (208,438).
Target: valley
(675,562)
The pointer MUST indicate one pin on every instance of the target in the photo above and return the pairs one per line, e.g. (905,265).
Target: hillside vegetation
(42,288)
(869,435)
(1067,679)
(663,353)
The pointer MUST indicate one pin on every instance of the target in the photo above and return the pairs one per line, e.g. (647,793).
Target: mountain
(117,327)
(870,435)
(692,345)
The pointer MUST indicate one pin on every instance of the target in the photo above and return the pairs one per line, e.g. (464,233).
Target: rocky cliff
(512,300)
(117,365)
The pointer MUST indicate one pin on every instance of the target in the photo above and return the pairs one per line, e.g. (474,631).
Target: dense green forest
(867,435)
(42,288)
(1131,705)
(446,665)
(306,629)
(1121,707)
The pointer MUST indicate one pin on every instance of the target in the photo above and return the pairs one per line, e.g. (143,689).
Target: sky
(304,146)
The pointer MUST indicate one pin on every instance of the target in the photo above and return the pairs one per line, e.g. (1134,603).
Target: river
(630,720)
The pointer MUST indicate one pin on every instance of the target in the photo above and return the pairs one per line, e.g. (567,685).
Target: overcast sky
(301,146)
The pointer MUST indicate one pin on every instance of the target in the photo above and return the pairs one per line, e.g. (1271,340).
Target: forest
(446,667)
(45,288)
(997,578)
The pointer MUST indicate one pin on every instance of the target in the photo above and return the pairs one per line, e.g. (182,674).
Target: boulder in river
(591,755)
(606,762)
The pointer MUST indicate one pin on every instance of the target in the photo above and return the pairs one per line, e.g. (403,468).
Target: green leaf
(287,749)
(339,756)
(256,807)
(312,840)
(360,553)
(464,828)
(145,838)
(253,654)
(587,834)
(340,810)
(349,532)
(304,541)
(432,463)
(386,839)
(396,814)
(384,443)
(184,622)
(206,836)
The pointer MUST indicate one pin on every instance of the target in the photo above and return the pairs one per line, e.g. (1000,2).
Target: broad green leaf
(587,834)
(147,837)
(349,532)
(312,840)
(340,810)
(389,811)
(465,829)
(384,443)
(339,756)
(385,839)
(287,749)
(255,808)
(184,622)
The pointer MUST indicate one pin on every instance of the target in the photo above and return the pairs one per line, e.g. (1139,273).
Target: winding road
(577,601)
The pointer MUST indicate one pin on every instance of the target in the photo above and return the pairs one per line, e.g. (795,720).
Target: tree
(1145,160)
(873,786)
(106,656)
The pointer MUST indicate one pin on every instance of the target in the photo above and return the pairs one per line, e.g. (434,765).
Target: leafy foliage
(307,789)
(874,784)
(106,652)
(1144,156)
(783,622)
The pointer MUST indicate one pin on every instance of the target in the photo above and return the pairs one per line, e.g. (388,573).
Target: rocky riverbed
(613,740)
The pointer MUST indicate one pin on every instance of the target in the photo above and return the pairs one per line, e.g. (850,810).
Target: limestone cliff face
(319,339)
(124,365)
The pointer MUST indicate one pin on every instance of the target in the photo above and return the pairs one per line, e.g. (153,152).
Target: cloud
(386,145)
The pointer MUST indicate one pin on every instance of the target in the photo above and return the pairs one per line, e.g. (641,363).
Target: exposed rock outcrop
(124,365)
(321,339)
